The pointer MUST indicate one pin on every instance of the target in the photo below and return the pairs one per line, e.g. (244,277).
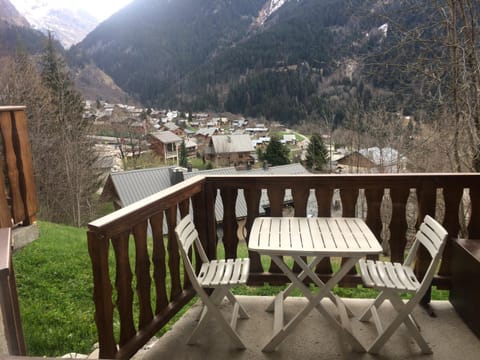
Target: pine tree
(72,154)
(183,155)
(316,153)
(276,153)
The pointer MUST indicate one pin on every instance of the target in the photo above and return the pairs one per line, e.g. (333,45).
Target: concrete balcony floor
(315,338)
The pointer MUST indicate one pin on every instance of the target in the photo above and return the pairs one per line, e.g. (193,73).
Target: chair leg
(367,314)
(215,298)
(404,316)
(385,335)
(411,324)
(233,300)
(212,310)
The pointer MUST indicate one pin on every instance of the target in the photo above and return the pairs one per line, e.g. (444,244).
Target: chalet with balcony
(165,144)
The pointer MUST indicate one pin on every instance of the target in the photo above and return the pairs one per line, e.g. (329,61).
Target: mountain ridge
(10,15)
(70,26)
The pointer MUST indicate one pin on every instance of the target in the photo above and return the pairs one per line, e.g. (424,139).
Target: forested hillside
(308,57)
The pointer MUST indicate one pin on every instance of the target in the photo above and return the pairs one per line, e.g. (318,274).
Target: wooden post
(12,323)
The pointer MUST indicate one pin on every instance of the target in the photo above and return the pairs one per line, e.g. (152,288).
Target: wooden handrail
(12,323)
(144,224)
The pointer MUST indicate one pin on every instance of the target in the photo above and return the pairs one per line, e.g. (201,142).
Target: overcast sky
(100,8)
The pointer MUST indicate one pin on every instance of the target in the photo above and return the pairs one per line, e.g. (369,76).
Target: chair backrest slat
(186,233)
(432,235)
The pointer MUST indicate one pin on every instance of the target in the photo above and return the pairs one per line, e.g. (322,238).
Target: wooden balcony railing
(390,204)
(18,195)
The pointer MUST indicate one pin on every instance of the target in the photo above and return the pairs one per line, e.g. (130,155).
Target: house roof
(356,159)
(289,137)
(241,205)
(131,186)
(191,144)
(135,185)
(170,126)
(127,187)
(166,137)
(224,144)
(383,156)
(206,131)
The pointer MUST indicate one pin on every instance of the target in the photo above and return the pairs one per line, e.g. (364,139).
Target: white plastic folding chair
(394,279)
(219,275)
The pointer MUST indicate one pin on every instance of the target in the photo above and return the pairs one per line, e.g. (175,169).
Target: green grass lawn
(55,288)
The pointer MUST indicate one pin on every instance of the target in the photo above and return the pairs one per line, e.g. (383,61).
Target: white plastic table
(308,241)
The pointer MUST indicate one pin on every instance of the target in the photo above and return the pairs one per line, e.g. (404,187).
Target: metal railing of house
(18,195)
(390,204)
(12,324)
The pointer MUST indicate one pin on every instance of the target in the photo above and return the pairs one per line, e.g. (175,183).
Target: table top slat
(285,235)
(296,233)
(313,236)
(317,235)
(349,238)
(329,241)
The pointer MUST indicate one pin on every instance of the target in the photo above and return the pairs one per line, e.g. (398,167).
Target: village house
(170,126)
(259,130)
(203,136)
(289,139)
(227,150)
(354,163)
(165,144)
(386,160)
(239,123)
(191,146)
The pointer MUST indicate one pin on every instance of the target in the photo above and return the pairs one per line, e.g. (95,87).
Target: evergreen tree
(316,153)
(71,155)
(183,155)
(276,153)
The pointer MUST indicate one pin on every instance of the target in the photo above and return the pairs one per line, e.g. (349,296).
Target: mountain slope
(10,15)
(168,39)
(282,59)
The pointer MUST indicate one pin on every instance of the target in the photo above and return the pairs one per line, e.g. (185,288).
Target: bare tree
(441,58)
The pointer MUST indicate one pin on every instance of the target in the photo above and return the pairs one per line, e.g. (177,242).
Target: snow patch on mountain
(268,9)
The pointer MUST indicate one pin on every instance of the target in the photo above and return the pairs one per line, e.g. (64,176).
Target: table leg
(307,270)
(314,302)
(301,276)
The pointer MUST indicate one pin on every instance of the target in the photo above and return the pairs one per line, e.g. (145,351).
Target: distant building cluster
(124,131)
